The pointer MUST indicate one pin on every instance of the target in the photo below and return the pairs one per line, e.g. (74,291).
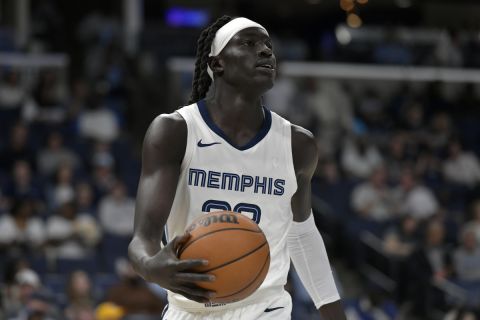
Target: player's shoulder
(171,122)
(303,138)
(304,148)
(168,128)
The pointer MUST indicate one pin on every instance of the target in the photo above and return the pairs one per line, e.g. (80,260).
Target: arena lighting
(347,5)
(186,17)
(343,35)
(354,21)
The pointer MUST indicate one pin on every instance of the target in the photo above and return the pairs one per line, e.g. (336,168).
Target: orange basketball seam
(207,234)
(250,283)
(236,259)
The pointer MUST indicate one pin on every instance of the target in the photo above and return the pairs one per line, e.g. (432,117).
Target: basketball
(237,251)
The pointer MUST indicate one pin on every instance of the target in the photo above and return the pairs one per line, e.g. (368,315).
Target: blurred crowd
(69,169)
(397,188)
(396,191)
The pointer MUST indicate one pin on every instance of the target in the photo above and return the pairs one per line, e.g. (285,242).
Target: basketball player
(228,152)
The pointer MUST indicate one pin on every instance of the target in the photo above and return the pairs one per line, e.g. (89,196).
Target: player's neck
(229,105)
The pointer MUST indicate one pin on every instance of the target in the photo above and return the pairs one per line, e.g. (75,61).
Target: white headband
(225,33)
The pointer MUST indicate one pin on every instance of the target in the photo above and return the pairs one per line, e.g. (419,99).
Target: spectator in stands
(70,235)
(412,117)
(83,312)
(466,258)
(329,185)
(78,98)
(428,167)
(301,112)
(413,198)
(413,122)
(23,186)
(80,293)
(109,311)
(461,167)
(396,156)
(474,223)
(12,94)
(62,190)
(29,282)
(333,108)
(85,199)
(440,131)
(371,110)
(460,314)
(360,158)
(26,283)
(281,97)
(116,211)
(97,122)
(3,203)
(18,149)
(372,200)
(22,230)
(55,154)
(448,51)
(430,263)
(40,306)
(103,164)
(49,98)
(133,295)
(402,239)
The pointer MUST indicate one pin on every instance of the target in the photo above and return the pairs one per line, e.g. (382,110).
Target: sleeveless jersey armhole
(187,157)
(287,129)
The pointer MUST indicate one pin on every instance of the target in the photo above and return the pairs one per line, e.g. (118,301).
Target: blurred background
(390,88)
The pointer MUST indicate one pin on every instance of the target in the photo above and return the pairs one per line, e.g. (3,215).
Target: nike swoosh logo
(273,309)
(201,145)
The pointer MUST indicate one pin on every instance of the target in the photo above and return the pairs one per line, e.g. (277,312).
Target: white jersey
(257,180)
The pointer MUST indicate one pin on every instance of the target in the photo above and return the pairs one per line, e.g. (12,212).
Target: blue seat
(67,265)
(56,283)
(104,281)
(113,247)
(38,263)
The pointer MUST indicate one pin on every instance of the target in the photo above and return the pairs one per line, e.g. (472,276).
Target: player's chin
(263,81)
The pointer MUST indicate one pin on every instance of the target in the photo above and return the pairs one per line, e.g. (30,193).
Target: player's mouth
(266,65)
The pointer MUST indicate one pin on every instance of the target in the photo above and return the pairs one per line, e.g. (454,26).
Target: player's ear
(216,65)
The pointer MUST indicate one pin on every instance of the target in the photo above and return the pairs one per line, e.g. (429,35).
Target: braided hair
(201,79)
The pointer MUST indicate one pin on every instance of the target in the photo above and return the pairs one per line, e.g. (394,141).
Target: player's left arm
(305,243)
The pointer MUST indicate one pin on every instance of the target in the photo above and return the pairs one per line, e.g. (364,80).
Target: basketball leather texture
(237,251)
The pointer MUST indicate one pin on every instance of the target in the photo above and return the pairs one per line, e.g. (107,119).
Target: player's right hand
(174,274)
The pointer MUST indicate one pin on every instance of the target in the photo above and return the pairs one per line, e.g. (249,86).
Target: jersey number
(245,208)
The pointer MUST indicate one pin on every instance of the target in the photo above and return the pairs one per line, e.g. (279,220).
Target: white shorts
(275,308)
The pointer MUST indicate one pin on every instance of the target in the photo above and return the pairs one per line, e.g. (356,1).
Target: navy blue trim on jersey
(267,123)
(164,312)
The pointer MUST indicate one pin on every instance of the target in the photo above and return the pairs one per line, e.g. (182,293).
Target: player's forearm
(332,311)
(310,259)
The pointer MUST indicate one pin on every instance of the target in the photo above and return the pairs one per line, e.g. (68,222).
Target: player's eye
(248,43)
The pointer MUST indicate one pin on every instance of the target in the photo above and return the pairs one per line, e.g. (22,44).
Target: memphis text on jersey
(235,182)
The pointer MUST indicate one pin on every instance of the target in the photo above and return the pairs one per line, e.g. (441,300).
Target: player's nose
(265,51)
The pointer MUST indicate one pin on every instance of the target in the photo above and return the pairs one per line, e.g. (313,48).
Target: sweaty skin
(236,109)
